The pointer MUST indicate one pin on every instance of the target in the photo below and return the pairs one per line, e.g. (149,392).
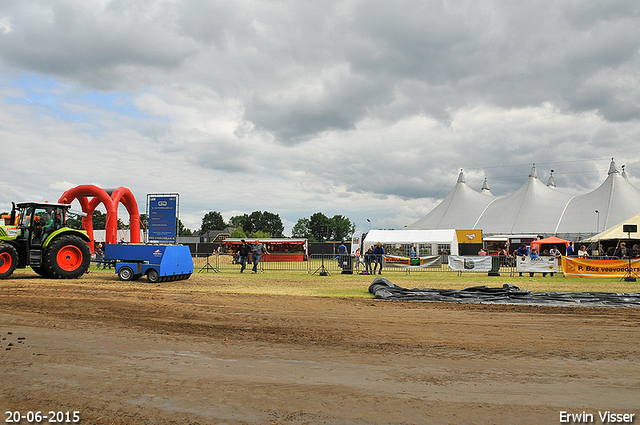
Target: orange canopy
(548,243)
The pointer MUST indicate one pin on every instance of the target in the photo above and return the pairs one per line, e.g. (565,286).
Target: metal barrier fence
(331,263)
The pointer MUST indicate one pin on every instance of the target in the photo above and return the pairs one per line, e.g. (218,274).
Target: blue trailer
(160,263)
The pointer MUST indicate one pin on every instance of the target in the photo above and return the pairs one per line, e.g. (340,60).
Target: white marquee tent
(459,210)
(414,237)
(536,208)
(615,232)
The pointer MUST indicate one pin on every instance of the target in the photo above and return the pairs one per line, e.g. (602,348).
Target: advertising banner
(585,267)
(413,263)
(541,264)
(480,263)
(163,218)
(469,236)
(356,241)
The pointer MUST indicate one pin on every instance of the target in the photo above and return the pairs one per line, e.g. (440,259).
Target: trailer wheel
(125,273)
(68,257)
(153,276)
(8,260)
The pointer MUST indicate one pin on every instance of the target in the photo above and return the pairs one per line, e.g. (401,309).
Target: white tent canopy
(536,208)
(615,232)
(615,200)
(460,209)
(414,237)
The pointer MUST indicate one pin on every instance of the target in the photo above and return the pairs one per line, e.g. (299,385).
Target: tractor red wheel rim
(69,258)
(5,262)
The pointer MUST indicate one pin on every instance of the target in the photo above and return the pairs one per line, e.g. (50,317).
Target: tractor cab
(39,220)
(40,239)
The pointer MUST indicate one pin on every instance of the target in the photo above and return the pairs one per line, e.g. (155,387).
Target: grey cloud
(94,45)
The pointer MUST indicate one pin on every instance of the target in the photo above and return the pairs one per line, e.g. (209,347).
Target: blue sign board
(163,218)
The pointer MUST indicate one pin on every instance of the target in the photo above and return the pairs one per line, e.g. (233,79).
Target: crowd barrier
(217,262)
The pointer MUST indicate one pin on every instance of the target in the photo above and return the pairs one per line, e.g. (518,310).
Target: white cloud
(365,109)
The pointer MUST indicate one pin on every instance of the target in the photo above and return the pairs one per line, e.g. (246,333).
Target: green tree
(301,229)
(238,232)
(316,223)
(272,224)
(259,234)
(99,220)
(341,228)
(74,222)
(182,230)
(144,221)
(242,221)
(212,221)
(266,222)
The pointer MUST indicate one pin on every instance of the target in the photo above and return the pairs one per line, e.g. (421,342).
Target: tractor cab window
(44,223)
(25,218)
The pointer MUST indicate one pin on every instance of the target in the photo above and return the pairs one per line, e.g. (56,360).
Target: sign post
(163,217)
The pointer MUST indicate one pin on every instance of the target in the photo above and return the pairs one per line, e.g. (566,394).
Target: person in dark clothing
(523,251)
(378,253)
(368,258)
(243,254)
(570,250)
(622,251)
(342,254)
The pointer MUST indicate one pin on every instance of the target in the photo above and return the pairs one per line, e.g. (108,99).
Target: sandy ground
(170,355)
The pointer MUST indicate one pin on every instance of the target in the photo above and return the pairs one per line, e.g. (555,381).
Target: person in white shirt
(582,252)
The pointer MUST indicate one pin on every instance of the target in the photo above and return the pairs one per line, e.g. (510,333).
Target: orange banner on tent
(584,267)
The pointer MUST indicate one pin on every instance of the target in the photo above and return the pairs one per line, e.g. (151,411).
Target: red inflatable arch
(110,200)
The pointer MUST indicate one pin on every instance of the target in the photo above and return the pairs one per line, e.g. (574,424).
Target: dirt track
(170,355)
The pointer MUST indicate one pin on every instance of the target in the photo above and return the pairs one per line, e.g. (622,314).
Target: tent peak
(485,187)
(461,177)
(533,173)
(551,182)
(612,167)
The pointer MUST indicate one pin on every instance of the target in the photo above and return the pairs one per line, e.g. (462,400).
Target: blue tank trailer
(160,263)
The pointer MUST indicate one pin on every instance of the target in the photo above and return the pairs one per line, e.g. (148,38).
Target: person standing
(342,254)
(534,254)
(243,255)
(555,252)
(99,255)
(523,251)
(570,250)
(368,258)
(258,251)
(621,251)
(582,252)
(378,253)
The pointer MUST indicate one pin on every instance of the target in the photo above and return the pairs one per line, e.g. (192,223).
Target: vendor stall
(279,249)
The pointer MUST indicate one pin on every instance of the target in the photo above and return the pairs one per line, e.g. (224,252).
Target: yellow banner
(583,267)
(469,236)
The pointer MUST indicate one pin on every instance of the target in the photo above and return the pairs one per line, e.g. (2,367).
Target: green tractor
(36,235)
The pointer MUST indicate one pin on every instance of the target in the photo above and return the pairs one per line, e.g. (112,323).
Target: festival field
(293,348)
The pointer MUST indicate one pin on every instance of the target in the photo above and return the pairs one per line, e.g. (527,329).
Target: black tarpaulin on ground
(383,289)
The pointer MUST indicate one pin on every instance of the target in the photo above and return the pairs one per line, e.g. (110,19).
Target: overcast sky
(367,109)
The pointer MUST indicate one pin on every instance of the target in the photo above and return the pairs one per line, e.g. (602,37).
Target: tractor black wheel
(8,260)
(125,273)
(153,276)
(67,257)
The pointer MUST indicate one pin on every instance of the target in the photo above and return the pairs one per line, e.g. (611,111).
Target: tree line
(266,224)
(258,224)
